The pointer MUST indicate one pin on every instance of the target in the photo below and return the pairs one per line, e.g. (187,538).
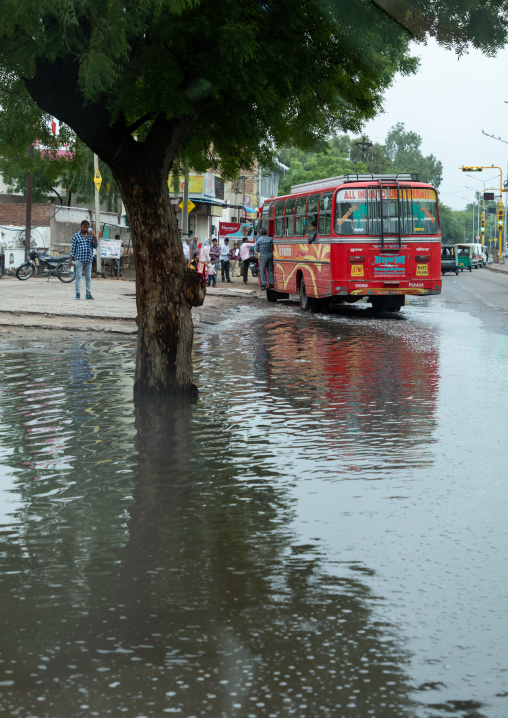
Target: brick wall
(15,213)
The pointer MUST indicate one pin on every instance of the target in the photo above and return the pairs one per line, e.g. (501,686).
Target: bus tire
(307,304)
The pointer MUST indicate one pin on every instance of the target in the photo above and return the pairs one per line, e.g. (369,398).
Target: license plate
(422,270)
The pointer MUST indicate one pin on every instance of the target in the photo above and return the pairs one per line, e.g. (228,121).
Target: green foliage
(310,166)
(401,153)
(249,76)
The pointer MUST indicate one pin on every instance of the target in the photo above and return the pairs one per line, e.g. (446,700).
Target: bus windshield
(367,211)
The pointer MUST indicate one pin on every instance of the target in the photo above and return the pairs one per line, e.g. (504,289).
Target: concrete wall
(67,221)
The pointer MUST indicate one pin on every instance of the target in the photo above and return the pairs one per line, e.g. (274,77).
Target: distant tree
(452,225)
(220,82)
(402,149)
(317,166)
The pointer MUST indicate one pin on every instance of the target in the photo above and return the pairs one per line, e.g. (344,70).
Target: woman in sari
(204,258)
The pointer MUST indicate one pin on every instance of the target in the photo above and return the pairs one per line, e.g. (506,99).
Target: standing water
(322,534)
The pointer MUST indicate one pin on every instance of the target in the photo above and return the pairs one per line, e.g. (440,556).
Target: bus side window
(312,212)
(289,219)
(301,204)
(279,218)
(325,214)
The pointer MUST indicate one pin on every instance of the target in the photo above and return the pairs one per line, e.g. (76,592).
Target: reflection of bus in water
(330,374)
(378,236)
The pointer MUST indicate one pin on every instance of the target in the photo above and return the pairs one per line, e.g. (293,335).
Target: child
(212,273)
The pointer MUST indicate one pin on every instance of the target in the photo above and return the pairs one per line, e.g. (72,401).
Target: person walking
(234,256)
(224,261)
(246,258)
(83,244)
(264,246)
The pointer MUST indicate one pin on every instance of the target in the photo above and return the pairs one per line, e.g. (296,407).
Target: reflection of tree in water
(226,616)
(209,609)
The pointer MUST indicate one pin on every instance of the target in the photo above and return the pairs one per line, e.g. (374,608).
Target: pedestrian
(213,270)
(245,256)
(224,260)
(204,258)
(186,249)
(193,247)
(234,256)
(215,257)
(264,246)
(313,226)
(83,244)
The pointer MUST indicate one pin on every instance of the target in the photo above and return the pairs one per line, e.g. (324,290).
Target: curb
(498,270)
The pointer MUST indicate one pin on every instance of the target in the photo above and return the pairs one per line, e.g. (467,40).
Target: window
(279,218)
(366,211)
(312,212)
(263,222)
(301,204)
(289,221)
(325,214)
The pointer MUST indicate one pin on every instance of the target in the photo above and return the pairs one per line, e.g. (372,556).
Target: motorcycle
(47,266)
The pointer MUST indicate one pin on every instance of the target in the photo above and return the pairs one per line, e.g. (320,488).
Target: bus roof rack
(363,177)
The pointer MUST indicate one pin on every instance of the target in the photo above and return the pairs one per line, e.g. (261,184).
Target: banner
(111,249)
(228,228)
(236,230)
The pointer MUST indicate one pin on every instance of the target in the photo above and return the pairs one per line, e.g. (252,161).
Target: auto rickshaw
(449,259)
(464,256)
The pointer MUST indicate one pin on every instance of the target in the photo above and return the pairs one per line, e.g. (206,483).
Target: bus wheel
(308,304)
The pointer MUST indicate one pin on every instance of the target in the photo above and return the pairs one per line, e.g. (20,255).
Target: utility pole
(97,181)
(28,216)
(185,210)
(364,145)
(500,209)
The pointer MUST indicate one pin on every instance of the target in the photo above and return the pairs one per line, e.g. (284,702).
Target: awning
(218,202)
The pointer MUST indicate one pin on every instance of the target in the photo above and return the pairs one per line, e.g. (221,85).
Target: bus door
(271,220)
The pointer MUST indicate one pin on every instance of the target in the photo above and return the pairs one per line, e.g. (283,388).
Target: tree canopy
(218,83)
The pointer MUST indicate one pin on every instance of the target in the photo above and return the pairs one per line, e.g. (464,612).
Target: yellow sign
(190,206)
(422,270)
(357,270)
(195,183)
(97,179)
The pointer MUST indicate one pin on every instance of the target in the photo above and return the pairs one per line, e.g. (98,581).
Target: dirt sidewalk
(37,305)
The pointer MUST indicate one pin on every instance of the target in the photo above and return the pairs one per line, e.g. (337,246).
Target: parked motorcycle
(47,266)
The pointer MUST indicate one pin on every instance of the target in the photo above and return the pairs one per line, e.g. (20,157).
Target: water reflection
(150,563)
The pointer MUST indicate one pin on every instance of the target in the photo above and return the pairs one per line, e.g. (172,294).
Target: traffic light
(472,169)
(482,225)
(500,218)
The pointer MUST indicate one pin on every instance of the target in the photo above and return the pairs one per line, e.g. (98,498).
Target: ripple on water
(245,556)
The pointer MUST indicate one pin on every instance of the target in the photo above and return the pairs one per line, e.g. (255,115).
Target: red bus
(378,237)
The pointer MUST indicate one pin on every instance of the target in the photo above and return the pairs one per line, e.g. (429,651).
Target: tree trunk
(166,290)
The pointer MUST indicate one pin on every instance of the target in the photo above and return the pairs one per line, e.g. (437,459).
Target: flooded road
(323,534)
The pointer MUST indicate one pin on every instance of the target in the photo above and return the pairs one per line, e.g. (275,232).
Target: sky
(448,103)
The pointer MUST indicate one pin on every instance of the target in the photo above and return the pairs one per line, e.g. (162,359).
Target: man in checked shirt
(83,243)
